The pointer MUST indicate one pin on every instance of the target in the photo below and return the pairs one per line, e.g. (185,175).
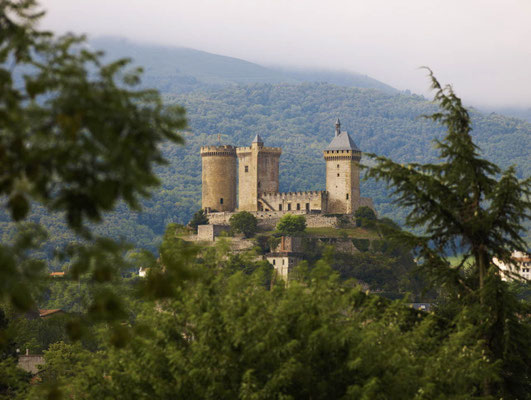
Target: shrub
(291,224)
(365,216)
(199,218)
(244,222)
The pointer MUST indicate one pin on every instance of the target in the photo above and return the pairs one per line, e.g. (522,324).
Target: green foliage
(77,138)
(199,218)
(37,334)
(64,125)
(291,224)
(13,380)
(230,336)
(466,204)
(361,244)
(244,222)
(364,216)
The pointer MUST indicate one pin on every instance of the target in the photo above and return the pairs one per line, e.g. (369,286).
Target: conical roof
(258,139)
(343,141)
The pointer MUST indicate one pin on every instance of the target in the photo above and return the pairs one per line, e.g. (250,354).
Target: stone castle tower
(258,173)
(342,173)
(219,178)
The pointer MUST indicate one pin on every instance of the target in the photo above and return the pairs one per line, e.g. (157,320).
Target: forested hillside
(300,119)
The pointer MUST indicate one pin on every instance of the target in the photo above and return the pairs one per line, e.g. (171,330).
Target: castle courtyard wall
(294,201)
(269,219)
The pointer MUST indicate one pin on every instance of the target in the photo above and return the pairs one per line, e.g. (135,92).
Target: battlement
(271,150)
(225,150)
(309,193)
(342,155)
(314,200)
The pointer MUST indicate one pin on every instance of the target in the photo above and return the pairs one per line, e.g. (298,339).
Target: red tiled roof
(45,313)
(57,274)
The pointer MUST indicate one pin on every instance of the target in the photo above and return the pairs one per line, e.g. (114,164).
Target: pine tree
(466,204)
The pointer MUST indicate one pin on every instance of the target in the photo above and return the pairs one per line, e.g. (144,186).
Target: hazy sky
(482,47)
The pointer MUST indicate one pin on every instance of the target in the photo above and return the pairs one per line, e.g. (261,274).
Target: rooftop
(343,141)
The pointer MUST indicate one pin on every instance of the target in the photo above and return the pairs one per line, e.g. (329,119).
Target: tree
(363,215)
(199,218)
(466,204)
(232,336)
(244,222)
(76,137)
(291,224)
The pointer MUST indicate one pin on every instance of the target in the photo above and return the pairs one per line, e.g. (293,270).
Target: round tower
(218,178)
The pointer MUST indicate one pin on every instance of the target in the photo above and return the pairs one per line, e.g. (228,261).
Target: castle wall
(218,178)
(342,180)
(269,219)
(210,232)
(268,171)
(294,201)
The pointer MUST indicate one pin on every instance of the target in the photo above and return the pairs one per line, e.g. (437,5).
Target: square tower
(342,173)
(257,173)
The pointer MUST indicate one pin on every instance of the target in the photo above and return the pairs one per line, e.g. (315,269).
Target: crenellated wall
(294,201)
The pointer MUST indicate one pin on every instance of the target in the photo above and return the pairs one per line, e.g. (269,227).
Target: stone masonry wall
(342,180)
(218,178)
(269,219)
(210,232)
(294,201)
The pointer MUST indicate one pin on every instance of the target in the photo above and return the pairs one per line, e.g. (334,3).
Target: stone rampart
(210,232)
(294,201)
(269,219)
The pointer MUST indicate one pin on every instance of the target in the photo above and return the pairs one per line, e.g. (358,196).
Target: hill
(177,69)
(299,118)
(339,78)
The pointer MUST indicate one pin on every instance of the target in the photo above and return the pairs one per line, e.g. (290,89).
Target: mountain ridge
(179,69)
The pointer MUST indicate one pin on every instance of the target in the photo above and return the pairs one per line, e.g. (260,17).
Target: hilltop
(178,69)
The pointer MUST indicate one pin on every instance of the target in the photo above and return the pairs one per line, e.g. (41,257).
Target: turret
(342,158)
(219,178)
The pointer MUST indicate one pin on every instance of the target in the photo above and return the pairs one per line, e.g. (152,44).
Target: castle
(254,171)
